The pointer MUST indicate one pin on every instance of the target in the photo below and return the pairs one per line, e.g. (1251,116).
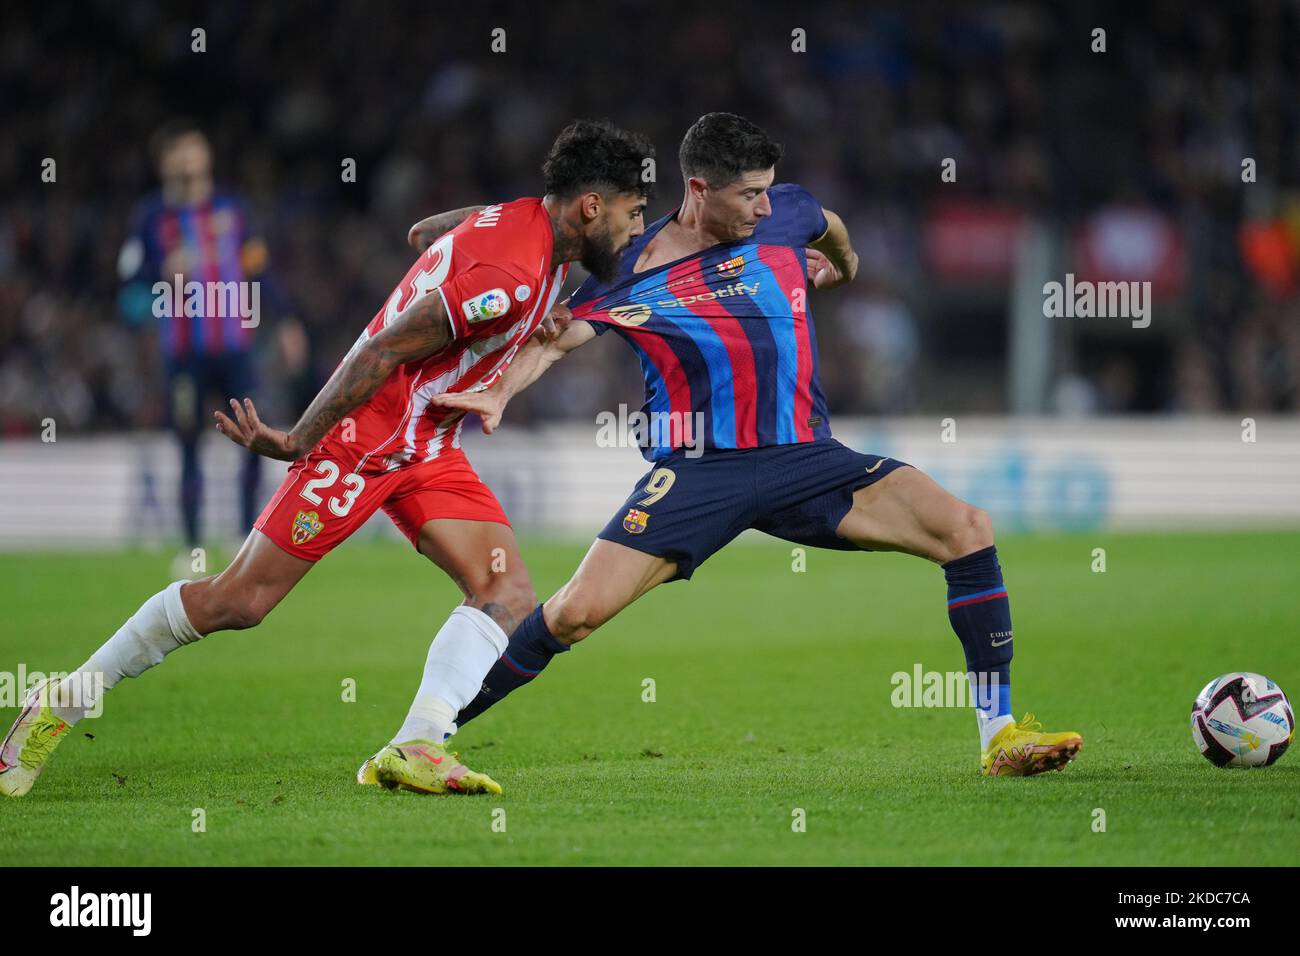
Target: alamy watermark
(84,693)
(922,688)
(242,300)
(129,910)
(1085,299)
(624,429)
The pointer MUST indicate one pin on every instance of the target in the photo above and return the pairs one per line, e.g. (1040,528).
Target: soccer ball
(1242,720)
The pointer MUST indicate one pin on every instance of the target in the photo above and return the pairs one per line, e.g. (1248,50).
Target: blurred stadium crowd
(1129,160)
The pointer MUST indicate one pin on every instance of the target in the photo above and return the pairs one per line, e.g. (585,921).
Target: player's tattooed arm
(428,231)
(422,330)
(533,358)
(835,263)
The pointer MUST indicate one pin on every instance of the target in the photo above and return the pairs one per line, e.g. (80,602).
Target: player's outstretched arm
(428,231)
(534,358)
(423,329)
(841,263)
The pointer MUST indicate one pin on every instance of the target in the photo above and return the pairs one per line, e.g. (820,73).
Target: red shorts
(321,502)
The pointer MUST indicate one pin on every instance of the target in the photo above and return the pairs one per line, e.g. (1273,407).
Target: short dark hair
(721,147)
(596,154)
(170,132)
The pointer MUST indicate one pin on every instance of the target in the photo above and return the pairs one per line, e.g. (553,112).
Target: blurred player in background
(713,299)
(189,230)
(374,439)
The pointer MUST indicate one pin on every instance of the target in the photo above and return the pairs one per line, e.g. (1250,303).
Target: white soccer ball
(1242,720)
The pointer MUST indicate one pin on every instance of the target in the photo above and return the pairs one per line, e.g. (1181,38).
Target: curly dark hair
(721,147)
(596,154)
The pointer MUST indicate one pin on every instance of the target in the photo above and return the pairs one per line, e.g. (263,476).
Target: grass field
(772,693)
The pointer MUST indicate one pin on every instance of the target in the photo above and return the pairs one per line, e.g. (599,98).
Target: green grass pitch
(772,695)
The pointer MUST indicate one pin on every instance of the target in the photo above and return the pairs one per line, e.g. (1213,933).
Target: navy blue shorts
(685,509)
(196,384)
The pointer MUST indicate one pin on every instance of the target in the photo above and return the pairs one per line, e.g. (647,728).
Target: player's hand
(556,321)
(248,430)
(486,404)
(822,273)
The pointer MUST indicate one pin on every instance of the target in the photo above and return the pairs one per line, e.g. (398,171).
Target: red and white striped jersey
(493,274)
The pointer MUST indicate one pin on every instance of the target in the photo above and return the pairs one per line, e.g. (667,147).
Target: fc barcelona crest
(732,267)
(306,526)
(634,521)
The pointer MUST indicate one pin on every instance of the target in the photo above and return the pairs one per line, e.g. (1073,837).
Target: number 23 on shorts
(329,472)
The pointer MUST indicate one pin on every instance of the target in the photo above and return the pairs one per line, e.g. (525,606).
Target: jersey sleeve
(485,299)
(805,221)
(581,304)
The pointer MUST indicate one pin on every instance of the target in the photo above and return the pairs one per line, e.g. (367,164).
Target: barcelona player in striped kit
(713,298)
(190,230)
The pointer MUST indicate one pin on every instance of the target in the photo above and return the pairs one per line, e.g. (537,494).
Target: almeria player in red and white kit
(493,277)
(374,439)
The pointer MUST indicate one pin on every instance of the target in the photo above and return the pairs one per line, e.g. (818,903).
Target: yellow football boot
(29,743)
(366,775)
(422,766)
(1022,750)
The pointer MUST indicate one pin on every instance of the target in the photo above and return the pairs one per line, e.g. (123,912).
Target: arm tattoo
(422,330)
(501,614)
(428,231)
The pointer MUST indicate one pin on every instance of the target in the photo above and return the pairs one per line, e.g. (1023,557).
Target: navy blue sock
(531,648)
(980,614)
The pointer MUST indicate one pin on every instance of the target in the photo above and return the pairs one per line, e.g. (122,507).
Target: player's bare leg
(483,558)
(908,511)
(611,577)
(248,589)
(182,613)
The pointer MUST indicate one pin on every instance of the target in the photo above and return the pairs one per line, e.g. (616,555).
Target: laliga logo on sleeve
(630,316)
(490,305)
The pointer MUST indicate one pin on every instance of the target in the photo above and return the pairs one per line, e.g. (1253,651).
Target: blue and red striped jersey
(203,243)
(724,336)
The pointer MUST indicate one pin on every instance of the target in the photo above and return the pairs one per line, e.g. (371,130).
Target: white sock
(989,727)
(151,633)
(461,655)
